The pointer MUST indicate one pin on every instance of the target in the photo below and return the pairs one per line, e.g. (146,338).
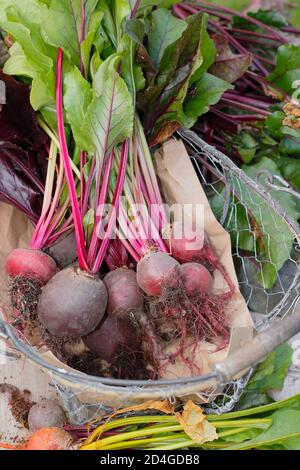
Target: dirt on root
(24,294)
(19,402)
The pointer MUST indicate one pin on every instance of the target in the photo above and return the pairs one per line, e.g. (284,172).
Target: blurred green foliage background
(242,4)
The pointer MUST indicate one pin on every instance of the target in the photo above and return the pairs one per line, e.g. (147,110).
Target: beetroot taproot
(72,304)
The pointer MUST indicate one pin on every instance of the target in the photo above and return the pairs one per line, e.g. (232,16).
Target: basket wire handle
(259,347)
(284,185)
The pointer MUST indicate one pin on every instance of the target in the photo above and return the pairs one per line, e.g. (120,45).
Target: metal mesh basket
(231,191)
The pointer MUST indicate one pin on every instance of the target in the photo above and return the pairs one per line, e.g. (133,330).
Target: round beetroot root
(72,304)
(155,271)
(47,414)
(114,333)
(123,290)
(31,263)
(184,242)
(196,278)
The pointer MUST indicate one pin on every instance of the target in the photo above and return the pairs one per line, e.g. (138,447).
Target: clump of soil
(126,365)
(24,293)
(19,403)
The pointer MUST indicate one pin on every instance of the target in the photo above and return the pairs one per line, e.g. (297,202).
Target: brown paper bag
(179,184)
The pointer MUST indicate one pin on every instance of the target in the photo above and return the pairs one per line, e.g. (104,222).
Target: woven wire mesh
(231,191)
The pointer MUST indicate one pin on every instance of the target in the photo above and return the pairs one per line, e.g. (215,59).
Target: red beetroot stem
(135,8)
(44,230)
(89,183)
(246,32)
(246,107)
(67,166)
(247,100)
(94,244)
(115,203)
(229,11)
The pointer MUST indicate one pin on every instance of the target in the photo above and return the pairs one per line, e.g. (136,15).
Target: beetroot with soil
(72,304)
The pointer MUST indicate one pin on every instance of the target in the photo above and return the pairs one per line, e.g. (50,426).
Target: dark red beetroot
(72,304)
(184,244)
(64,251)
(155,271)
(32,264)
(123,291)
(114,333)
(196,278)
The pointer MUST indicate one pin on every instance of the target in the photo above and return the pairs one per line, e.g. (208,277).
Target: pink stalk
(130,229)
(134,253)
(88,188)
(82,179)
(231,12)
(152,185)
(135,8)
(100,209)
(144,155)
(138,178)
(65,228)
(115,203)
(177,9)
(67,166)
(145,192)
(57,220)
(40,239)
(246,99)
(246,107)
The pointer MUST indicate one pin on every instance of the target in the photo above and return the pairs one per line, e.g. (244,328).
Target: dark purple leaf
(17,118)
(17,183)
(23,155)
(229,66)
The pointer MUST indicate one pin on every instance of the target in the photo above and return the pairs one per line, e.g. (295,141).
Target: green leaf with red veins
(108,119)
(178,64)
(204,93)
(77,97)
(166,30)
(63,25)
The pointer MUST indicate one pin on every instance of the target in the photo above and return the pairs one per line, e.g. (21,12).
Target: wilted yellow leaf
(195,424)
(163,406)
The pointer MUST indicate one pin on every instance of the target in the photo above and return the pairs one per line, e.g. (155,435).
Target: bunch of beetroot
(135,283)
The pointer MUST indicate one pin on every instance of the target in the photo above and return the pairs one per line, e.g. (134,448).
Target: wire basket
(231,191)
